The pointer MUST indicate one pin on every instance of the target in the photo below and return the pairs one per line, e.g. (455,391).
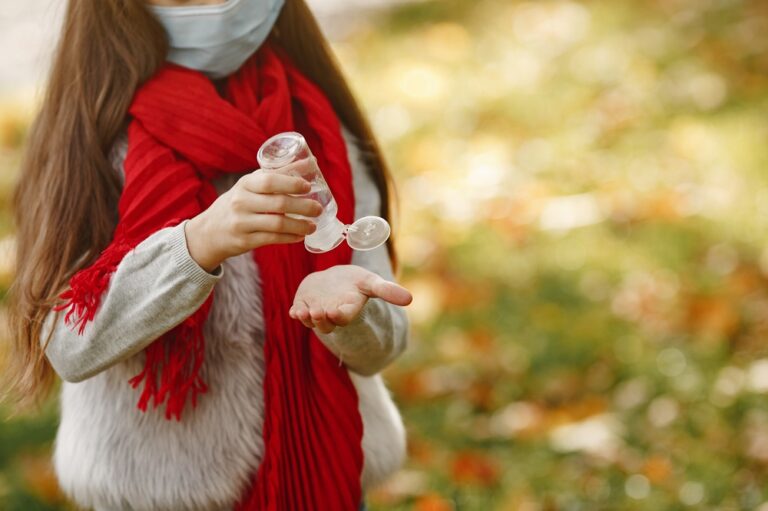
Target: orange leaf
(433,502)
(475,468)
(657,469)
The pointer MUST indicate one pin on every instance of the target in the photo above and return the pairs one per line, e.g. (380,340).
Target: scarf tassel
(87,286)
(180,375)
(175,363)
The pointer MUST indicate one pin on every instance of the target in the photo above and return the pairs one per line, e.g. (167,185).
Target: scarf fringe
(173,365)
(87,286)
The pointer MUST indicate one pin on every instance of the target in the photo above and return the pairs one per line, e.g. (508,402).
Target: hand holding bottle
(288,153)
(254,212)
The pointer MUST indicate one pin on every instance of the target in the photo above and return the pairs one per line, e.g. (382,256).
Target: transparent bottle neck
(329,234)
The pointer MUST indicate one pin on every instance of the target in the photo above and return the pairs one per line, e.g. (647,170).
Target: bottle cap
(368,233)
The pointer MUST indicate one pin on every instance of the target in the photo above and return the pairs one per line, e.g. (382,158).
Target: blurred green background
(584,224)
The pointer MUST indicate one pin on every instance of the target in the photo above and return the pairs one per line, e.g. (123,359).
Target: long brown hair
(65,203)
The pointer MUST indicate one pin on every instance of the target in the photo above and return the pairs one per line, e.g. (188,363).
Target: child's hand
(334,297)
(249,215)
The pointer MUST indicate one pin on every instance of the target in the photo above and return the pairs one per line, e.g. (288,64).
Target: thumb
(376,287)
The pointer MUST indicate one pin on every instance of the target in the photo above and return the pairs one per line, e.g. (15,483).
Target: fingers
(320,320)
(279,224)
(343,314)
(277,239)
(393,293)
(300,311)
(253,236)
(312,317)
(286,204)
(246,201)
(375,286)
(272,182)
(306,169)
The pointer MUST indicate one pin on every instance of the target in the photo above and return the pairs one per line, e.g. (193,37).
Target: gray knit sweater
(110,456)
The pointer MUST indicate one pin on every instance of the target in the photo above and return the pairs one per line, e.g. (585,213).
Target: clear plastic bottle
(365,234)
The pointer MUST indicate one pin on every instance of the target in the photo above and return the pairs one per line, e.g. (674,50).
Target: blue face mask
(217,39)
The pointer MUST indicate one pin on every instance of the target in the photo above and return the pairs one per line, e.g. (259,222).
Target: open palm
(335,296)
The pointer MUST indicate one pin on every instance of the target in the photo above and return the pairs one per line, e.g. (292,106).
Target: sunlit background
(584,223)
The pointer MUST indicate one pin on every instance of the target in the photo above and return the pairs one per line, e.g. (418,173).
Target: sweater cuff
(361,344)
(186,264)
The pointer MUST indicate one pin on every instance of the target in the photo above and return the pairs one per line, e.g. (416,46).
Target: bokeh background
(584,223)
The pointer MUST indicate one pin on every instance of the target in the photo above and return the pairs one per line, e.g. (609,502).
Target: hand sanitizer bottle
(366,233)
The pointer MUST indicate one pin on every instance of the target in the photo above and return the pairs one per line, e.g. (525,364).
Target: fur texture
(111,456)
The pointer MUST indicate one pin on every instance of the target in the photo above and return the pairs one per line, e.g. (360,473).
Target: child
(209,361)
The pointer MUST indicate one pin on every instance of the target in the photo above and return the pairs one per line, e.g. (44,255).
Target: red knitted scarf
(181,135)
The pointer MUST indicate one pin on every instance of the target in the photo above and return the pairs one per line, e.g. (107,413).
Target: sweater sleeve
(379,334)
(154,288)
